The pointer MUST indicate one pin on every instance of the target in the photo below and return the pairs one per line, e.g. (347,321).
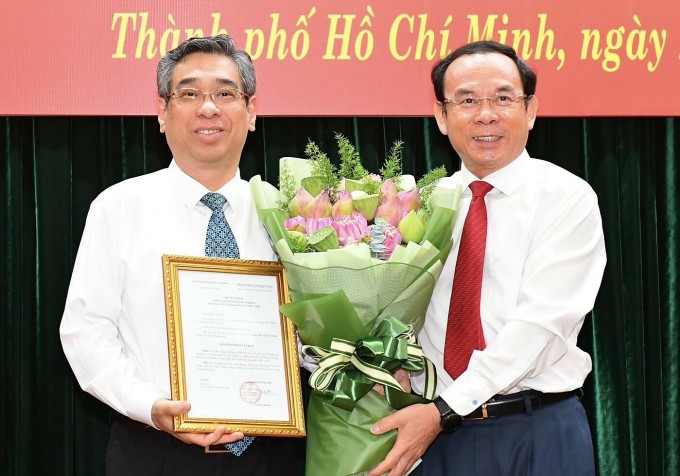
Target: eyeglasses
(220,96)
(499,100)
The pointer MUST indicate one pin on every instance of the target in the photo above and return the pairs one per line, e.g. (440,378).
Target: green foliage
(286,187)
(322,167)
(371,187)
(427,184)
(392,167)
(298,243)
(350,162)
(351,167)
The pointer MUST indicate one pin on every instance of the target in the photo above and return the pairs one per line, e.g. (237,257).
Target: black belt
(517,403)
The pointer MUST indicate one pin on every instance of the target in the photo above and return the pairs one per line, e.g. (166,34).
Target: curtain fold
(53,167)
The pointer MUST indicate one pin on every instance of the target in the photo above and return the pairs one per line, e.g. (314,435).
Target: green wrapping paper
(338,441)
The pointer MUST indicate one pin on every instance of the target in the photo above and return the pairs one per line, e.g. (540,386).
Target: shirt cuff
(305,361)
(467,393)
(141,400)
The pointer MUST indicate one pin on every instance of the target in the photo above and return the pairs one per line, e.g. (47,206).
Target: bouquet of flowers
(362,253)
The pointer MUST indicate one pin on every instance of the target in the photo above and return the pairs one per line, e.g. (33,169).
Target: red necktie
(464,329)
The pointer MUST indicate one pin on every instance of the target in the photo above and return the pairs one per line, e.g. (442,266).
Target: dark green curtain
(52,168)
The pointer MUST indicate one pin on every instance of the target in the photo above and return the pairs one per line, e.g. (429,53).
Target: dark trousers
(552,440)
(135,449)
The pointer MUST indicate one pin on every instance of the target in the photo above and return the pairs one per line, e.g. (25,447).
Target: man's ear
(250,109)
(440,116)
(161,109)
(532,110)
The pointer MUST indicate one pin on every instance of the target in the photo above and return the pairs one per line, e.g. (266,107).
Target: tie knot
(214,200)
(479,188)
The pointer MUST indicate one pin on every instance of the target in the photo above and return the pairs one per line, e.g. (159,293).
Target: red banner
(340,57)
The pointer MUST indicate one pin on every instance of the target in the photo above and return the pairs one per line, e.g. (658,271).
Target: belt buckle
(485,414)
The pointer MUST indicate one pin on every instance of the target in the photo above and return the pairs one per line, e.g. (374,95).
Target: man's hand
(417,426)
(162,412)
(402,376)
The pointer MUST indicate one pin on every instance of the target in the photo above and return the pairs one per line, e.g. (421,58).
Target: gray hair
(219,45)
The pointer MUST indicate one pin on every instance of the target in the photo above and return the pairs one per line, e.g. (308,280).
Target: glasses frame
(492,100)
(174,94)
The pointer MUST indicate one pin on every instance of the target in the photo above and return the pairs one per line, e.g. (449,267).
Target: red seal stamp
(250,392)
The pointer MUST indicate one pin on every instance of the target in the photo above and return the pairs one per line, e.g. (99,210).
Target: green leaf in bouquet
(324,239)
(313,185)
(354,185)
(367,205)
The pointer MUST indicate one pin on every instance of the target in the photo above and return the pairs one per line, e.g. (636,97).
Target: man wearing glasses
(113,330)
(505,315)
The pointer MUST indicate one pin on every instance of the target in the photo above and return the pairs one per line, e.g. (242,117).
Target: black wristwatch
(450,421)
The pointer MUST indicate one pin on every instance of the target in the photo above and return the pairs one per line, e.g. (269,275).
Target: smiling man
(504,318)
(113,330)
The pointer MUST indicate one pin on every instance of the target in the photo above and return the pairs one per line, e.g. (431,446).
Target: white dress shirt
(114,330)
(544,261)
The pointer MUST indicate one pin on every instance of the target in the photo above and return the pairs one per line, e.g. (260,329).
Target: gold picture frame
(235,374)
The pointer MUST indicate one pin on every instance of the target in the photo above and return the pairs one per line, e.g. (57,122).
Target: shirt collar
(191,191)
(506,180)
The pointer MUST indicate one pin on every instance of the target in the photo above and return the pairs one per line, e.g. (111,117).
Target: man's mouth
(207,132)
(487,138)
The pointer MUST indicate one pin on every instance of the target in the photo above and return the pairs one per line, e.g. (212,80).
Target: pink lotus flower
(297,223)
(388,190)
(350,229)
(319,207)
(410,200)
(314,224)
(390,211)
(298,205)
(344,206)
(392,240)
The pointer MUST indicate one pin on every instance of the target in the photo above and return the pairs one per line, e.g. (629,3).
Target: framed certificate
(233,355)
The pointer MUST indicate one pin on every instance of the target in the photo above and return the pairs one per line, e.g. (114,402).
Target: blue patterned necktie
(219,239)
(220,242)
